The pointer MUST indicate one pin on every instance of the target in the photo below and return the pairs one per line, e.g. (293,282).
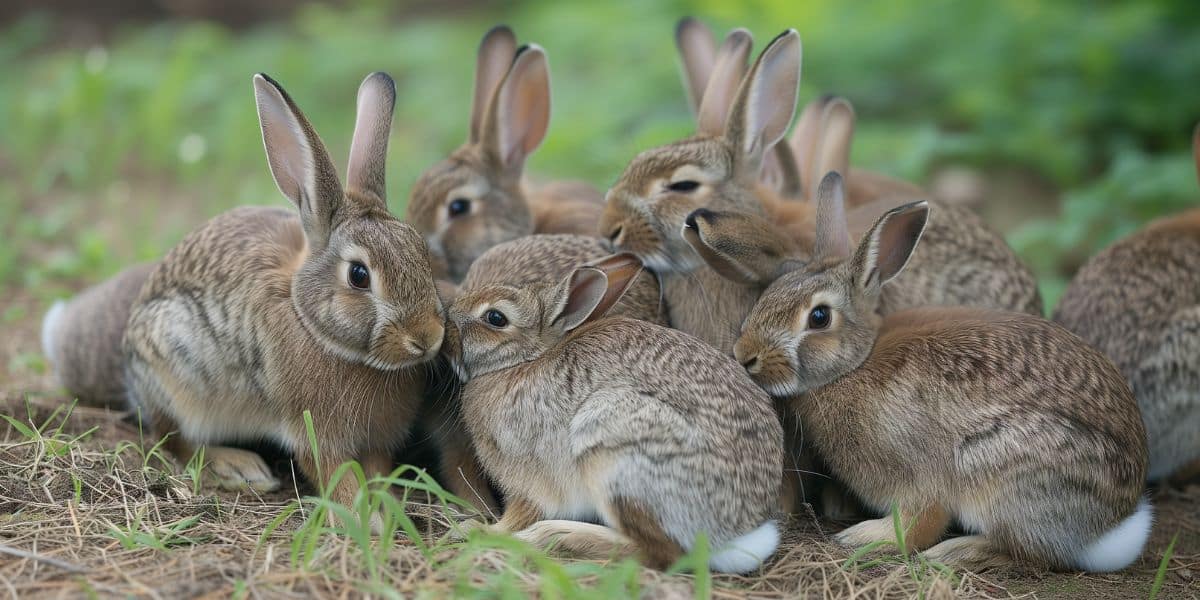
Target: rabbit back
(664,421)
(1138,301)
(1009,422)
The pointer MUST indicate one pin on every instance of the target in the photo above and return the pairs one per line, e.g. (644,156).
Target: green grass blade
(1161,575)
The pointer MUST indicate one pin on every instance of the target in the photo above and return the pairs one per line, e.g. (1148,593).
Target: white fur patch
(747,552)
(1121,545)
(50,325)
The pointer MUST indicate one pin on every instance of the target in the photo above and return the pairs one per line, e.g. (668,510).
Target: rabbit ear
(781,173)
(591,290)
(1196,148)
(833,236)
(743,248)
(698,54)
(520,112)
(887,247)
(806,137)
(495,56)
(298,160)
(766,101)
(837,133)
(727,73)
(368,148)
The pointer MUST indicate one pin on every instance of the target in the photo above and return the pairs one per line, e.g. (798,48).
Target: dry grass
(102,515)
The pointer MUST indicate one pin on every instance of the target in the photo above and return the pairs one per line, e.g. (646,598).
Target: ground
(87,509)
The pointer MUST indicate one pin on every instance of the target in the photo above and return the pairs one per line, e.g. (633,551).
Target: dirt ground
(68,519)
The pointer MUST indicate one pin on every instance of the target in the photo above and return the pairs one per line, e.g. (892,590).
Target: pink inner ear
(524,110)
(288,153)
(586,291)
(897,240)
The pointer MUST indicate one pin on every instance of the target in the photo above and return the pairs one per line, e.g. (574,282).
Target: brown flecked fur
(1006,422)
(574,411)
(251,320)
(1138,301)
(512,92)
(84,347)
(963,261)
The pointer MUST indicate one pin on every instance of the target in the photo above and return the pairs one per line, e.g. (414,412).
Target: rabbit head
(816,320)
(365,290)
(700,57)
(500,326)
(473,200)
(718,168)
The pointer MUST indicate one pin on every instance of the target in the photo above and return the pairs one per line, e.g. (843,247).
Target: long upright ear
(805,138)
(837,133)
(495,56)
(766,101)
(298,160)
(833,236)
(887,247)
(520,112)
(373,124)
(780,171)
(743,248)
(591,290)
(727,73)
(698,54)
(1196,148)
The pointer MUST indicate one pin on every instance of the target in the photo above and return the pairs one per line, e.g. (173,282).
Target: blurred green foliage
(111,152)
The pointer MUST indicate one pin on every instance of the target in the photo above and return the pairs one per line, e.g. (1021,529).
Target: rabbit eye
(819,317)
(685,186)
(358,276)
(458,206)
(495,318)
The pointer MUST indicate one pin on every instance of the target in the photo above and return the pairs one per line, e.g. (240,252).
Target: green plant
(139,534)
(920,569)
(1160,575)
(48,438)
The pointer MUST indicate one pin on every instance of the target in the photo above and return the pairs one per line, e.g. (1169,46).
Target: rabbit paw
(867,532)
(237,469)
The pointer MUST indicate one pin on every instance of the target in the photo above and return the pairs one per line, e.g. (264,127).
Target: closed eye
(683,186)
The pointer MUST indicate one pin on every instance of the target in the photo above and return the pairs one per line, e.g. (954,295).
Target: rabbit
(476,198)
(644,429)
(539,259)
(820,142)
(81,338)
(962,259)
(1138,301)
(262,313)
(1004,422)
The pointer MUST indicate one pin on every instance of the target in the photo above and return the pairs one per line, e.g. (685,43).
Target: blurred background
(125,123)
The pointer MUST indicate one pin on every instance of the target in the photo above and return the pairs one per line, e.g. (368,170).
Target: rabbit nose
(703,213)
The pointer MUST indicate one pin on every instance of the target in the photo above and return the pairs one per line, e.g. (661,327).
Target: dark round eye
(359,276)
(495,318)
(819,317)
(687,185)
(459,206)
